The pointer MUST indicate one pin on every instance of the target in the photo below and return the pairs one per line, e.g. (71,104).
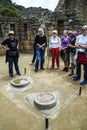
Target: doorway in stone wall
(60,27)
(12,27)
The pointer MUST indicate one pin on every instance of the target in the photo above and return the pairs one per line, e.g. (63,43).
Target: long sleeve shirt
(40,40)
(54,42)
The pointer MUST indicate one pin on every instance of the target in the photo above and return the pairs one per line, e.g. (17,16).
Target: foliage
(5,1)
(8,12)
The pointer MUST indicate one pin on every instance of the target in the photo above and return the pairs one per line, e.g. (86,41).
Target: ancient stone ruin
(68,14)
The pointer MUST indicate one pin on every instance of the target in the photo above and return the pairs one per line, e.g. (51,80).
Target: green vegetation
(5,2)
(9,9)
(9,12)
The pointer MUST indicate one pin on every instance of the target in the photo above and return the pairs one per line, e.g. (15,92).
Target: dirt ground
(18,114)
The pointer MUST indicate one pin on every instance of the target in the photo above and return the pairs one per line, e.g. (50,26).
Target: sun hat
(84,27)
(65,31)
(54,31)
(75,33)
(11,32)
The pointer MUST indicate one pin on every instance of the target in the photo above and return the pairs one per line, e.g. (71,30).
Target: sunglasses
(84,29)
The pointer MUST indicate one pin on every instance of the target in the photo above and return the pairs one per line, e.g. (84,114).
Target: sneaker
(72,73)
(64,69)
(18,73)
(31,63)
(52,67)
(83,82)
(11,75)
(76,78)
(36,71)
(42,68)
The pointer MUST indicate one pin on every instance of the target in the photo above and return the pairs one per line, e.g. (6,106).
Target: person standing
(40,43)
(12,53)
(81,45)
(64,49)
(72,49)
(34,55)
(54,46)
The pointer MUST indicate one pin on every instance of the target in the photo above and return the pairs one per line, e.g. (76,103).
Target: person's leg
(84,82)
(66,61)
(57,56)
(72,64)
(16,65)
(37,59)
(42,58)
(78,72)
(10,66)
(85,72)
(34,56)
(53,57)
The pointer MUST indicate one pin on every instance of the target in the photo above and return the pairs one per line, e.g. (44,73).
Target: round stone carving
(45,100)
(20,81)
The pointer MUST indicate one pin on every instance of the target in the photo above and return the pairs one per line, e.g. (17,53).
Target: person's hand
(7,48)
(50,49)
(78,46)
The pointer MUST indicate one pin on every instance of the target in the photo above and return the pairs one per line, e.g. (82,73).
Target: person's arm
(45,42)
(83,46)
(4,45)
(60,47)
(36,42)
(50,45)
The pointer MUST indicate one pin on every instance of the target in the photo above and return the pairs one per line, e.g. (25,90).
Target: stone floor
(18,114)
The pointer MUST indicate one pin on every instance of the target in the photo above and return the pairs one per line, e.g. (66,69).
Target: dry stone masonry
(68,14)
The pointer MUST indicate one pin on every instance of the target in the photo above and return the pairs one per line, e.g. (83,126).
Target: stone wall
(68,14)
(26,28)
(71,14)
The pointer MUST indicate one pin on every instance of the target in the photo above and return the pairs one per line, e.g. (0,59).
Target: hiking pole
(48,59)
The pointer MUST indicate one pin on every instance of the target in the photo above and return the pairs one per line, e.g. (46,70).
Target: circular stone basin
(45,100)
(20,82)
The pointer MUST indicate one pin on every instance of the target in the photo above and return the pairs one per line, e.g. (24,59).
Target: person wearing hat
(54,46)
(72,49)
(40,43)
(81,45)
(12,53)
(65,40)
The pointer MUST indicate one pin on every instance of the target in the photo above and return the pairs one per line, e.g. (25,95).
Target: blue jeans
(11,61)
(40,53)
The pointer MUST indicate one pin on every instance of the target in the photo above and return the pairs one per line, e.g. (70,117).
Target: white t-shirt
(54,42)
(81,39)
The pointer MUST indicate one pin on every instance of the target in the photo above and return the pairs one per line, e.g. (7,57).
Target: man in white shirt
(81,45)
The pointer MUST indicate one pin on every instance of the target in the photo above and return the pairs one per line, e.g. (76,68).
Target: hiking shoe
(72,73)
(64,69)
(52,67)
(42,68)
(11,75)
(18,73)
(83,82)
(76,78)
